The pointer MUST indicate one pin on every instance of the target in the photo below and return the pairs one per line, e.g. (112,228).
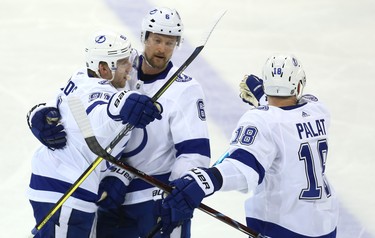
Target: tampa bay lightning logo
(100,39)
(126,153)
(183,78)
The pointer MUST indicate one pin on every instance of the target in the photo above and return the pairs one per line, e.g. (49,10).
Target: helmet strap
(147,62)
(299,90)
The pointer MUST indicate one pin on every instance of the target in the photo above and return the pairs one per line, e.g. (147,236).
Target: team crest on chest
(183,78)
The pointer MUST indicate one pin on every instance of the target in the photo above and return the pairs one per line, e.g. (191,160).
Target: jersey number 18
(314,190)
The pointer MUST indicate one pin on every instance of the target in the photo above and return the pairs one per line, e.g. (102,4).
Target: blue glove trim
(217,178)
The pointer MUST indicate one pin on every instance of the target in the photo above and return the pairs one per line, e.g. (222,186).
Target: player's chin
(123,83)
(120,83)
(160,63)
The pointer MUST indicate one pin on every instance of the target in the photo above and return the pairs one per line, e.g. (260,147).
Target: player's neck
(282,101)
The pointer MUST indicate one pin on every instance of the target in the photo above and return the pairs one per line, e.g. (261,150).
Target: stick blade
(79,114)
(213,24)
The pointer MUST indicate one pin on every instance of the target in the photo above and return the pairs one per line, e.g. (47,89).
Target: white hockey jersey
(178,142)
(54,171)
(284,150)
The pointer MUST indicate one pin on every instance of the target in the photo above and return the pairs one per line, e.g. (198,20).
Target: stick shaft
(66,195)
(208,210)
(105,154)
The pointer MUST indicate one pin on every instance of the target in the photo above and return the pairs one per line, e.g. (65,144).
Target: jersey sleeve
(251,152)
(104,127)
(189,130)
(94,94)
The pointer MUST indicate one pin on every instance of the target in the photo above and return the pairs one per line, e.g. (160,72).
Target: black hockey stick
(105,154)
(83,123)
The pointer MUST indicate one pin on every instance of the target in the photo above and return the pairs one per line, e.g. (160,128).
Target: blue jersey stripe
(250,160)
(139,184)
(272,230)
(195,146)
(92,106)
(43,183)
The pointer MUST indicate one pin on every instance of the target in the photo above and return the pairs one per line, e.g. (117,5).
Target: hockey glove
(187,195)
(112,193)
(45,127)
(251,90)
(133,108)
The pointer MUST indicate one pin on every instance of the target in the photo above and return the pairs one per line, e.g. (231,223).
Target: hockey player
(166,148)
(100,88)
(277,151)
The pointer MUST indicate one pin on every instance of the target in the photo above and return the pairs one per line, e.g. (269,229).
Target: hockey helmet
(106,46)
(162,20)
(283,75)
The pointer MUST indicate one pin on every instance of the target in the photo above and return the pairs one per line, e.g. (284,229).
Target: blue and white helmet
(106,46)
(283,75)
(162,20)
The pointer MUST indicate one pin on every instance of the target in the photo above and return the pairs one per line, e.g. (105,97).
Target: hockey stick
(105,154)
(222,157)
(84,124)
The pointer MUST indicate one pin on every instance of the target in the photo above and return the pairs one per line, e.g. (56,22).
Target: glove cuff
(116,103)
(32,112)
(209,180)
(121,174)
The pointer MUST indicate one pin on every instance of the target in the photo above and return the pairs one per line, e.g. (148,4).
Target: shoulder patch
(263,108)
(103,82)
(310,97)
(94,96)
(183,78)
(97,95)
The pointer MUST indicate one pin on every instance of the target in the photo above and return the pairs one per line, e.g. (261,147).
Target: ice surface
(42,44)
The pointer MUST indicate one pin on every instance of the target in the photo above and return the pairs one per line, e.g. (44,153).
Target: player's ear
(103,69)
(103,66)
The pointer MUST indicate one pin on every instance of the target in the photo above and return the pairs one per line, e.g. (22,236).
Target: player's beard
(156,62)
